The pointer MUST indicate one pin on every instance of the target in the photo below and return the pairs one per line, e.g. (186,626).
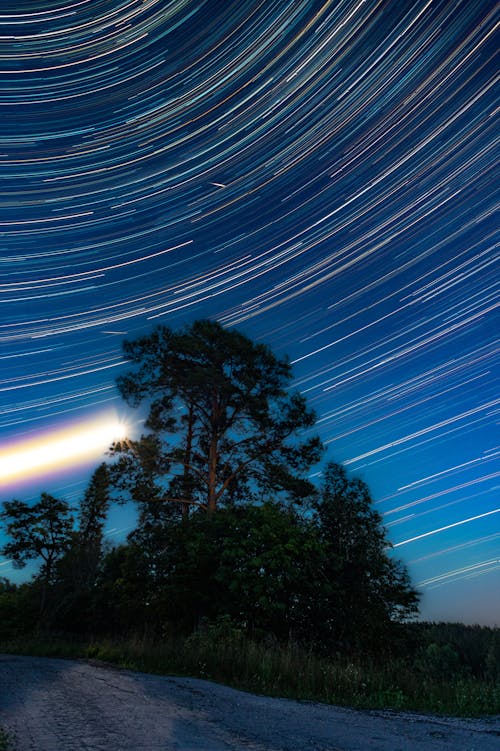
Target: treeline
(235,552)
(320,577)
(454,649)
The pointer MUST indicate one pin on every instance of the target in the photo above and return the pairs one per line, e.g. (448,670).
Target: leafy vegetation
(239,568)
(41,531)
(317,578)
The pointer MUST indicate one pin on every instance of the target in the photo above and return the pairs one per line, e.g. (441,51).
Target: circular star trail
(318,174)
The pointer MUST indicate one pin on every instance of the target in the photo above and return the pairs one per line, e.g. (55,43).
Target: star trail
(321,175)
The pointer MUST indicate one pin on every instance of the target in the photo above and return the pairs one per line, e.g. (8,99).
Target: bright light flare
(60,449)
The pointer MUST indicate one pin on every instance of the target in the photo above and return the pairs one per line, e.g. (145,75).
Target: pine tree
(222,425)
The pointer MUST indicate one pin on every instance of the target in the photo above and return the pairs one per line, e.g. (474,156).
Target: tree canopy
(41,530)
(367,589)
(223,426)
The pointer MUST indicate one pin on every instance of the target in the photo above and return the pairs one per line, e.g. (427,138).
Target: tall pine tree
(222,424)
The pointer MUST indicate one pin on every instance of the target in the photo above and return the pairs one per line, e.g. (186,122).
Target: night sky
(320,175)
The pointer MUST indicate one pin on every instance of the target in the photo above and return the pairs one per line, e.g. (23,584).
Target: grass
(286,671)
(5,744)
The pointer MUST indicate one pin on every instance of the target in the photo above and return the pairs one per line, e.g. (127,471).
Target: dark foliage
(223,427)
(366,590)
(452,648)
(43,532)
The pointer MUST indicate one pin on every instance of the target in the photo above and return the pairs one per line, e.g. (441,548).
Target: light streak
(461,546)
(453,489)
(59,449)
(428,429)
(447,526)
(461,573)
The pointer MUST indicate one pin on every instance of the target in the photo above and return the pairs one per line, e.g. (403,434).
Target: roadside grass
(5,743)
(284,670)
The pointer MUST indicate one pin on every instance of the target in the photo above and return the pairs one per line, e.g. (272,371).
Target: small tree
(77,570)
(365,590)
(92,516)
(223,427)
(41,531)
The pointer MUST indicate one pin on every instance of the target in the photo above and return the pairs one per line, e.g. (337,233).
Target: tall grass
(286,670)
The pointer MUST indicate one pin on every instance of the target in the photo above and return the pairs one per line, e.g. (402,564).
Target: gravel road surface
(71,705)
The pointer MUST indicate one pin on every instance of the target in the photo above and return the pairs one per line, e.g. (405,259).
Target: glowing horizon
(73,445)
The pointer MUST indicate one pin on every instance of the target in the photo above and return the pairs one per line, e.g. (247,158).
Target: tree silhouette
(223,426)
(40,531)
(365,590)
(92,515)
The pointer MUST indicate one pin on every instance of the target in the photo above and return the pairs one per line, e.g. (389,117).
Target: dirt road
(66,705)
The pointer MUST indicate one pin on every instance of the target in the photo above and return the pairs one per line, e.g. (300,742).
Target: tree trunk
(189,447)
(43,594)
(212,477)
